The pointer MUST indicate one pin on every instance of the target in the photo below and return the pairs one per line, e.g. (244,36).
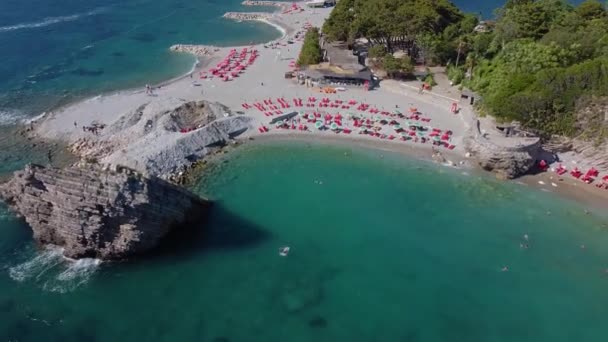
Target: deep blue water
(54,51)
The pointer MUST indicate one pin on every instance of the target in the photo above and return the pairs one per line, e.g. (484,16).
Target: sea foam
(53,272)
(10,117)
(51,20)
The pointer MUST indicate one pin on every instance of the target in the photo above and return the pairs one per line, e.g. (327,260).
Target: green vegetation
(394,67)
(397,66)
(408,25)
(541,65)
(542,62)
(430,80)
(311,49)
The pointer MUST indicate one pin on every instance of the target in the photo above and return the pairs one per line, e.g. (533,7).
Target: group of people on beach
(94,128)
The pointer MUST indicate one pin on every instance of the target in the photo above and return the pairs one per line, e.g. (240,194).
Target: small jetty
(242,16)
(198,50)
(281,4)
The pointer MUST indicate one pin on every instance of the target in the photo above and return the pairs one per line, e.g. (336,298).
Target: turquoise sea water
(55,51)
(383,248)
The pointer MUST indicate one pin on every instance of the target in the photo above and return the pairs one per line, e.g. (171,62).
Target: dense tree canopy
(541,59)
(536,62)
(381,58)
(311,49)
(395,23)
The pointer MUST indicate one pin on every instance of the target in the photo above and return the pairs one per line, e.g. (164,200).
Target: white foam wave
(76,273)
(51,21)
(55,273)
(38,266)
(34,119)
(10,117)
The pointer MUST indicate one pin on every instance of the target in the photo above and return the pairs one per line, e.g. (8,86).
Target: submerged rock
(317,322)
(102,212)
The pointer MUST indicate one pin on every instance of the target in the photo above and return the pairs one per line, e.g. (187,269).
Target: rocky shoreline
(100,211)
(197,50)
(244,16)
(505,162)
(280,4)
(163,139)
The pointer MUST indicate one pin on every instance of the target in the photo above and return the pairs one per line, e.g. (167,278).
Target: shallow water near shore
(383,248)
(16,150)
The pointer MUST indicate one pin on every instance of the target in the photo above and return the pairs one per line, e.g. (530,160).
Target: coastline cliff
(102,212)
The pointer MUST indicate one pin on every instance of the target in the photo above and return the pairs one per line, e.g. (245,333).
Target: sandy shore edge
(594,199)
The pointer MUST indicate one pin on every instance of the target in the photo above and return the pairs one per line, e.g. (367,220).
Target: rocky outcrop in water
(247,15)
(102,212)
(282,4)
(198,50)
(506,162)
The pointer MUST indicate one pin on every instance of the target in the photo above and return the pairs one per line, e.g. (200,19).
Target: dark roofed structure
(339,55)
(342,66)
(328,75)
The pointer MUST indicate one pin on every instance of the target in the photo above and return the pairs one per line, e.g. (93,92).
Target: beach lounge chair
(576,173)
(593,172)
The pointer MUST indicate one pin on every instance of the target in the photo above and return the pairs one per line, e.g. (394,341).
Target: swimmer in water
(504,269)
(284,251)
(526,237)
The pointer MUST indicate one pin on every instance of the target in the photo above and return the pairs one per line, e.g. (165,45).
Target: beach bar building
(341,67)
(339,77)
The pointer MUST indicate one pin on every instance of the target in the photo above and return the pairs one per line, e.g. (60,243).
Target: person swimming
(284,251)
(504,269)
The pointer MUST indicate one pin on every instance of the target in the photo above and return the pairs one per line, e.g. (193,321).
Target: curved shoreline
(569,191)
(199,63)
(246,88)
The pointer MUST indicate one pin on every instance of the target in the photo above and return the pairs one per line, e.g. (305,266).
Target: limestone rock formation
(162,138)
(103,212)
(506,162)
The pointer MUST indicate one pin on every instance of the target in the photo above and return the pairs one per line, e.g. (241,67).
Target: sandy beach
(263,83)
